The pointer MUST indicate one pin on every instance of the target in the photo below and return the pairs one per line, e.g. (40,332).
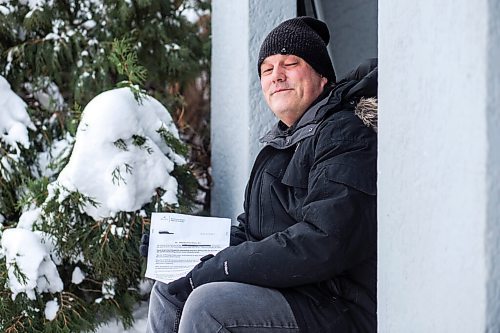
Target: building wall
(493,169)
(439,161)
(239,115)
(353,30)
(264,16)
(229,105)
(438,176)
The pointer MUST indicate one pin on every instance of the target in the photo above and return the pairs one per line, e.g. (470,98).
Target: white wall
(239,115)
(493,169)
(229,104)
(438,184)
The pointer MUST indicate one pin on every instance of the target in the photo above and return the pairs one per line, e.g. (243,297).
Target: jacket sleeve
(238,234)
(337,232)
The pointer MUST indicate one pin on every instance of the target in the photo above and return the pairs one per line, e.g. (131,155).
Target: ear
(324,81)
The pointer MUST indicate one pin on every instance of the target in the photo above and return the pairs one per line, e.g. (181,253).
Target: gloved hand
(182,288)
(144,246)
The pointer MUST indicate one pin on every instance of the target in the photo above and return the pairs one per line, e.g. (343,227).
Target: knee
(159,291)
(204,307)
(161,299)
(205,296)
(164,310)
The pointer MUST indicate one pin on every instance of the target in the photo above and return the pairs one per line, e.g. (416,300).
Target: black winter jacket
(310,227)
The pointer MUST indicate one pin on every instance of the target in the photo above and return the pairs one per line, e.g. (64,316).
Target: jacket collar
(282,137)
(359,83)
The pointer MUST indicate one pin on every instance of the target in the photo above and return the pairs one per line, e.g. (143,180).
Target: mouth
(280,90)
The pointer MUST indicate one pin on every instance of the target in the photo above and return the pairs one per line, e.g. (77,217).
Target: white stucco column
(439,162)
(239,114)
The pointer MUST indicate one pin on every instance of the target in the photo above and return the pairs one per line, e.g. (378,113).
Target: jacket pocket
(358,178)
(296,176)
(278,206)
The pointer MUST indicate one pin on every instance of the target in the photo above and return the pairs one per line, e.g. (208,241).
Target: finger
(143,250)
(206,257)
(174,287)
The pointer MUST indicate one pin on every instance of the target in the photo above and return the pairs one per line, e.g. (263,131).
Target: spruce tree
(57,56)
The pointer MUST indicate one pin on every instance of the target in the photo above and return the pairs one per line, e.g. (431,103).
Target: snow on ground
(140,321)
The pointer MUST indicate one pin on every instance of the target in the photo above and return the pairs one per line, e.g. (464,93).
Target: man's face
(289,85)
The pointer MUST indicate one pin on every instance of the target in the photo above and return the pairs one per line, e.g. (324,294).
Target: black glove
(144,247)
(181,288)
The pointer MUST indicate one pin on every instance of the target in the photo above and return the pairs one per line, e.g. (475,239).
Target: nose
(278,74)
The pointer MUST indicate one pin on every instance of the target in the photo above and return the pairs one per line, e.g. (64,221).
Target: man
(303,258)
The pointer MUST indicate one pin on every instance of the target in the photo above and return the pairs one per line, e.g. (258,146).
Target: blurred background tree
(57,55)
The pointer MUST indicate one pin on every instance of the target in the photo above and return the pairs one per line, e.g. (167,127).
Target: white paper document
(178,241)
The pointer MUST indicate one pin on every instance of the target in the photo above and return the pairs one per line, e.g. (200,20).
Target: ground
(140,315)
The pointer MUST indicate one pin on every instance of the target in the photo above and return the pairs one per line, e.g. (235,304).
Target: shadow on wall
(353,26)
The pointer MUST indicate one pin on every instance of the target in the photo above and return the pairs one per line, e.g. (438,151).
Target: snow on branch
(121,146)
(14,119)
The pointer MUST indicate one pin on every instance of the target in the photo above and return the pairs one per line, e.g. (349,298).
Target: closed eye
(290,64)
(266,71)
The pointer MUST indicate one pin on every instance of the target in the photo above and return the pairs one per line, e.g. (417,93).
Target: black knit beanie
(305,37)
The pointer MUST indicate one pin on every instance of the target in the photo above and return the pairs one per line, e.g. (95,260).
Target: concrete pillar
(239,114)
(439,161)
(492,114)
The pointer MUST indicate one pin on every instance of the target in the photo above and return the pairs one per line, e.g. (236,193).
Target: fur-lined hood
(367,111)
(365,90)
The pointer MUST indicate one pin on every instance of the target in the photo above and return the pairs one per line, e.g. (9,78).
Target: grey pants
(221,307)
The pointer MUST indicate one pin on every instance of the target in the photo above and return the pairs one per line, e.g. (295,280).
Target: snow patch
(34,4)
(90,24)
(4,10)
(140,315)
(78,276)
(145,286)
(29,218)
(119,146)
(29,265)
(51,309)
(172,47)
(14,120)
(170,196)
(117,231)
(108,288)
(49,161)
(47,93)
